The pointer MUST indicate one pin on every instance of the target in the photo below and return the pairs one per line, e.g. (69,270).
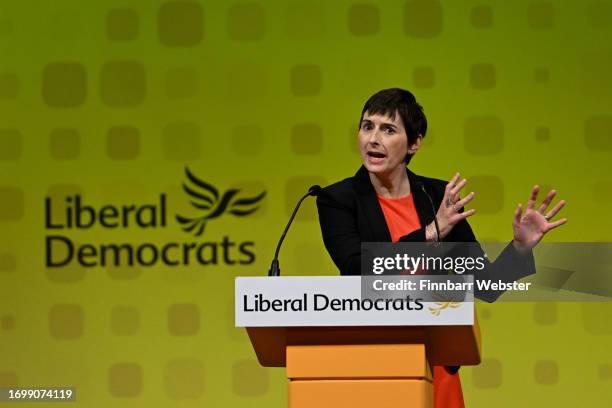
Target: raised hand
(530,228)
(448,214)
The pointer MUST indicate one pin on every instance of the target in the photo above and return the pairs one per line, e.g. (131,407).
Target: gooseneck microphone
(274,267)
(433,209)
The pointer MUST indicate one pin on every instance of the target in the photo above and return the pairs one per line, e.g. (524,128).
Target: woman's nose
(374,137)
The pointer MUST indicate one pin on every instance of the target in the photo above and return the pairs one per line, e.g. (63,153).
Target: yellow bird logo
(444,303)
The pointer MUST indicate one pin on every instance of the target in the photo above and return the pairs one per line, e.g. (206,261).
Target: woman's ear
(412,149)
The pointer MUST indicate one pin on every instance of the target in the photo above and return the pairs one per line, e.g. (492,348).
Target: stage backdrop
(117,280)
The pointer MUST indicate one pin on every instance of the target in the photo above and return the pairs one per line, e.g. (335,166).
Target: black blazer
(349,214)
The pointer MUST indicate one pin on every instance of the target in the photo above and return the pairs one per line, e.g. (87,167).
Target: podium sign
(336,301)
(341,348)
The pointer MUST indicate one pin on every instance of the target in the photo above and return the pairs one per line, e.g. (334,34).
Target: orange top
(402,218)
(401,215)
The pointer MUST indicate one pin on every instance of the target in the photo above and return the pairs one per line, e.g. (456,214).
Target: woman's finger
(556,224)
(465,214)
(464,201)
(549,197)
(518,214)
(458,187)
(451,183)
(555,209)
(533,197)
(455,198)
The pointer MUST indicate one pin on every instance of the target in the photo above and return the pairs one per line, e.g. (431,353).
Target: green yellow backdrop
(112,100)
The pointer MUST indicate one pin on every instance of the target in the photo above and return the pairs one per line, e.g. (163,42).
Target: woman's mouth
(376,157)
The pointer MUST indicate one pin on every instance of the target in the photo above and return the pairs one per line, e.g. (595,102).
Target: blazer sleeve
(509,266)
(340,233)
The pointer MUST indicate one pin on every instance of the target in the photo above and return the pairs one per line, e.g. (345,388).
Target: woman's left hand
(530,228)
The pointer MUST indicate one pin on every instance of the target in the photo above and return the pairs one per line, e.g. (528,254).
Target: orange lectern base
(372,375)
(371,366)
(360,393)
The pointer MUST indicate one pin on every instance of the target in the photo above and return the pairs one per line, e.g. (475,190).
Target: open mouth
(376,155)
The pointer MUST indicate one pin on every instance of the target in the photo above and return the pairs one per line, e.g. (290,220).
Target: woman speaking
(386,202)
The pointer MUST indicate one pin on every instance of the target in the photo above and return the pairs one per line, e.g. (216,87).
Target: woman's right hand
(448,214)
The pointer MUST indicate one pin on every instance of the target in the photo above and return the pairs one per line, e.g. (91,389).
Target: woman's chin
(376,168)
(383,168)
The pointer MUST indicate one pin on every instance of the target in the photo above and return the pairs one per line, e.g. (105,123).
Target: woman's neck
(391,185)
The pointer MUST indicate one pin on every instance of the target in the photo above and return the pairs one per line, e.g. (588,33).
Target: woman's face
(383,143)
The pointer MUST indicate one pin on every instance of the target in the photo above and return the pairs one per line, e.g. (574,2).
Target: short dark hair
(395,100)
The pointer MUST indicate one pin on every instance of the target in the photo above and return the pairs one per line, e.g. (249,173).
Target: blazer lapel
(371,207)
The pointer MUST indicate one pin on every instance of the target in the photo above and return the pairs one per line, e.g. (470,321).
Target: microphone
(274,266)
(433,209)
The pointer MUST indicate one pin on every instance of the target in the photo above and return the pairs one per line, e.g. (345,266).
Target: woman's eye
(389,131)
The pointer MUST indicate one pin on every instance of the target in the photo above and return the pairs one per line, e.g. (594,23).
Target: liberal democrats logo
(68,218)
(206,199)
